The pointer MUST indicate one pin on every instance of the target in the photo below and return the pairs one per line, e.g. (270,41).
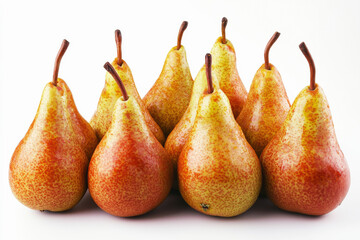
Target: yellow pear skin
(101,120)
(224,66)
(169,98)
(265,109)
(177,138)
(49,167)
(219,173)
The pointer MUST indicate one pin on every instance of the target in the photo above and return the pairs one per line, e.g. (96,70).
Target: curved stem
(58,58)
(115,75)
(208,72)
(223,26)
(267,49)
(181,31)
(307,54)
(118,39)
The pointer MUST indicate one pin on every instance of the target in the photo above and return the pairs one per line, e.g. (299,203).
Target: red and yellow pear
(219,172)
(101,119)
(169,98)
(130,172)
(224,67)
(178,137)
(83,131)
(304,169)
(266,106)
(48,169)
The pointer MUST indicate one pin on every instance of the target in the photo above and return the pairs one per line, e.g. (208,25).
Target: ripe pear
(83,131)
(178,137)
(266,106)
(48,169)
(130,172)
(224,67)
(168,99)
(304,168)
(219,172)
(101,119)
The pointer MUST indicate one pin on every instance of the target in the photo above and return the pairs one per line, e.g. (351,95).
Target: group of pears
(217,144)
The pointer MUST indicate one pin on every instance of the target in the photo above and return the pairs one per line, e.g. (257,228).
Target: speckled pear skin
(169,97)
(219,172)
(101,120)
(83,131)
(48,169)
(130,172)
(265,109)
(224,66)
(178,137)
(304,168)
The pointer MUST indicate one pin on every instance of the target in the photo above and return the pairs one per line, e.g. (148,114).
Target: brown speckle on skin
(205,206)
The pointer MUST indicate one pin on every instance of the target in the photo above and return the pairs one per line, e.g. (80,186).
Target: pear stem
(118,39)
(267,49)
(117,78)
(307,54)
(208,59)
(181,31)
(58,58)
(223,26)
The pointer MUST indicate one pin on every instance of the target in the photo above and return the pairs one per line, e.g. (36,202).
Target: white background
(30,36)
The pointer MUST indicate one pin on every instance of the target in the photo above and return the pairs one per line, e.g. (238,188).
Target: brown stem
(58,58)
(223,26)
(118,39)
(208,72)
(307,54)
(267,49)
(116,76)
(181,31)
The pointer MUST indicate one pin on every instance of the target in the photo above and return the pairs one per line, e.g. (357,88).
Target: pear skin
(130,172)
(169,97)
(224,66)
(265,109)
(101,120)
(304,168)
(83,131)
(178,137)
(219,172)
(49,167)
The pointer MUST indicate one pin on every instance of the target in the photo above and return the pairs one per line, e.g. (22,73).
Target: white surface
(31,33)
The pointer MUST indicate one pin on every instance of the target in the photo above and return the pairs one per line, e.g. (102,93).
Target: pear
(130,172)
(83,131)
(266,106)
(219,172)
(48,169)
(224,67)
(101,119)
(178,137)
(169,97)
(304,168)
